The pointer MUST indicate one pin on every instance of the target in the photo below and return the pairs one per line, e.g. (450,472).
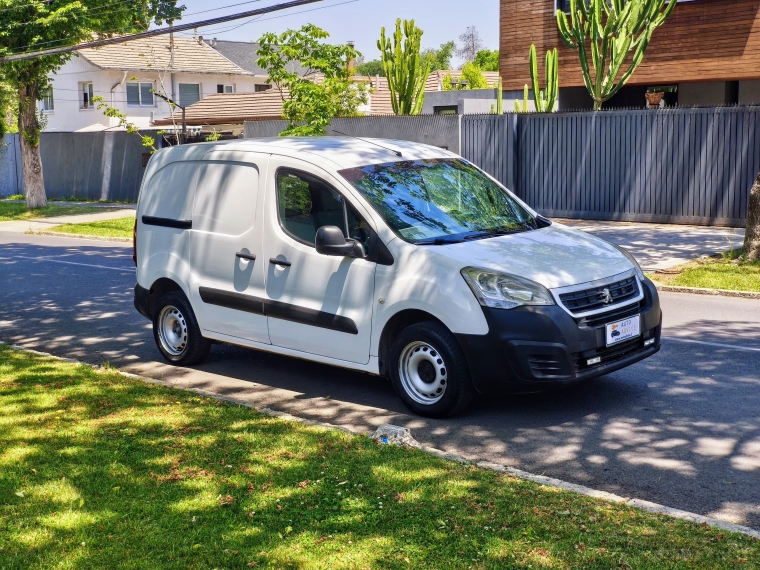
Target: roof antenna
(397,153)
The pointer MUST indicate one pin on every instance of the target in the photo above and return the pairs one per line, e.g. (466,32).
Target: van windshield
(439,201)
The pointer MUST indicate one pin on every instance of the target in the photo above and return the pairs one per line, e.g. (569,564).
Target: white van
(390,257)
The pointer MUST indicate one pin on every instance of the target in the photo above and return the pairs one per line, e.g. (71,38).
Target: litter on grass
(395,435)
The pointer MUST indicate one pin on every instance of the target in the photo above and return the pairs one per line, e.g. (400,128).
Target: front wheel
(429,371)
(176,331)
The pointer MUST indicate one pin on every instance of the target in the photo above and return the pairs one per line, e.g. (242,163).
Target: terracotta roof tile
(226,108)
(153,54)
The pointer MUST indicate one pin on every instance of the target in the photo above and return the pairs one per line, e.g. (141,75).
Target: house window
(225,89)
(260,88)
(140,94)
(48,104)
(86,94)
(189,93)
(563,5)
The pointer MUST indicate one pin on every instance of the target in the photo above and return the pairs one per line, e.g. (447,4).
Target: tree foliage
(372,68)
(440,59)
(30,25)
(487,60)
(474,77)
(324,91)
(8,109)
(619,31)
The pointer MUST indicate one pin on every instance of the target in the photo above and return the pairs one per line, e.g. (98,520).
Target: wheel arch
(157,289)
(396,324)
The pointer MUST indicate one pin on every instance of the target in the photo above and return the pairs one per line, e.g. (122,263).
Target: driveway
(681,428)
(659,246)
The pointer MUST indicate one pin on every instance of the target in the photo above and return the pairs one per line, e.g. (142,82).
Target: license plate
(623,330)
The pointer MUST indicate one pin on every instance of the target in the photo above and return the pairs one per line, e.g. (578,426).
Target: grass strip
(13,211)
(120,227)
(728,271)
(102,471)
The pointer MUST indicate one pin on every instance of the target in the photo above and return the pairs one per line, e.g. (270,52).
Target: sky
(354,20)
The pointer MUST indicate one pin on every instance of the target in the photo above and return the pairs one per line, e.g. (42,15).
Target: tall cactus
(405,68)
(524,107)
(615,29)
(545,100)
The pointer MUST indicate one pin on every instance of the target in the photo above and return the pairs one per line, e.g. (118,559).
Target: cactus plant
(545,100)
(404,67)
(615,29)
(524,107)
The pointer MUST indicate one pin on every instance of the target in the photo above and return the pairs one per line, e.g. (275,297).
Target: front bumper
(528,349)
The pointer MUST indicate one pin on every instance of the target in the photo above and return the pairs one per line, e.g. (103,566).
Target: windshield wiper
(439,241)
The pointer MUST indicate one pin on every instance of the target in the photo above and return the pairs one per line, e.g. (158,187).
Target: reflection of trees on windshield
(433,198)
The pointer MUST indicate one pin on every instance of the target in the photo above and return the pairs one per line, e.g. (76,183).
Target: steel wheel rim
(423,373)
(172,330)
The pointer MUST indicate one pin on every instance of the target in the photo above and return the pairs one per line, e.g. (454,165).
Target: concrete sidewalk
(659,246)
(43,224)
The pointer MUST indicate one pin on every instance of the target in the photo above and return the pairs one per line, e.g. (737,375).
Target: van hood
(556,256)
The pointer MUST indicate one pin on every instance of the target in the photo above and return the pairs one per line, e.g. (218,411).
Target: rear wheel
(176,331)
(429,371)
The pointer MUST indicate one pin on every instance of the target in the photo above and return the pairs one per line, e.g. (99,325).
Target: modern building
(706,53)
(130,75)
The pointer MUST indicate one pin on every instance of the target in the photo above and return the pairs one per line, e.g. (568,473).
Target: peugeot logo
(605,296)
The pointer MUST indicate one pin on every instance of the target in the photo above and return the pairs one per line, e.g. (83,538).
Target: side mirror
(330,241)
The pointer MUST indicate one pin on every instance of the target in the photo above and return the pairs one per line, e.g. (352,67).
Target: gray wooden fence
(692,166)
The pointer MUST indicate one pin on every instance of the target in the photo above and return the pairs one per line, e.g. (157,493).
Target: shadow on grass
(100,471)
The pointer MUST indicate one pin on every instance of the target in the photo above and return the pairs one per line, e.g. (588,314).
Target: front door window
(305,204)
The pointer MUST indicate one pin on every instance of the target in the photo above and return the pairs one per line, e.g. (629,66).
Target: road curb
(81,236)
(520,474)
(701,291)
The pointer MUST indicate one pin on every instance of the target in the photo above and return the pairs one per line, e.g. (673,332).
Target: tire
(176,331)
(429,371)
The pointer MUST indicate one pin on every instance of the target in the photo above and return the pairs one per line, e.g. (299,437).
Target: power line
(159,31)
(259,19)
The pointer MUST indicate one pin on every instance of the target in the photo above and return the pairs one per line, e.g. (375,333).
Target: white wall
(111,85)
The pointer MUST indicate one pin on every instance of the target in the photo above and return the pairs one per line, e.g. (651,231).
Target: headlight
(502,291)
(632,259)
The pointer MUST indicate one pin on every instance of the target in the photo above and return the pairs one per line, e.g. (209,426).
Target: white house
(130,74)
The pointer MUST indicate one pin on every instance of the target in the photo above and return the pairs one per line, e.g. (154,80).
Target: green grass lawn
(102,471)
(727,271)
(13,211)
(121,227)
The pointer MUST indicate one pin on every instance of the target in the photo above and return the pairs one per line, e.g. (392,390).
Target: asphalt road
(681,429)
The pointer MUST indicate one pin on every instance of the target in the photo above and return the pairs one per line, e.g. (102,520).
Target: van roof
(343,152)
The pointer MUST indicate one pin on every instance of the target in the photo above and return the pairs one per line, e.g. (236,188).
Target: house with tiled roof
(127,76)
(226,112)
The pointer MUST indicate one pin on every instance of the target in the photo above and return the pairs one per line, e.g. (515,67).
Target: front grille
(610,354)
(593,298)
(610,316)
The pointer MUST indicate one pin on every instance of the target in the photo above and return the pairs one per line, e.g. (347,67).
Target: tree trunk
(752,234)
(29,139)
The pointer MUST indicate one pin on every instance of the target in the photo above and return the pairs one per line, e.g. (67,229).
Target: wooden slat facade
(704,40)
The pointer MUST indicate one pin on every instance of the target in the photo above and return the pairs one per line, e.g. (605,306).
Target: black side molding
(277,310)
(167,223)
(237,301)
(321,319)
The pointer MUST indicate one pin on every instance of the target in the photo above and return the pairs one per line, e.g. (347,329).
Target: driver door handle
(248,256)
(280,262)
